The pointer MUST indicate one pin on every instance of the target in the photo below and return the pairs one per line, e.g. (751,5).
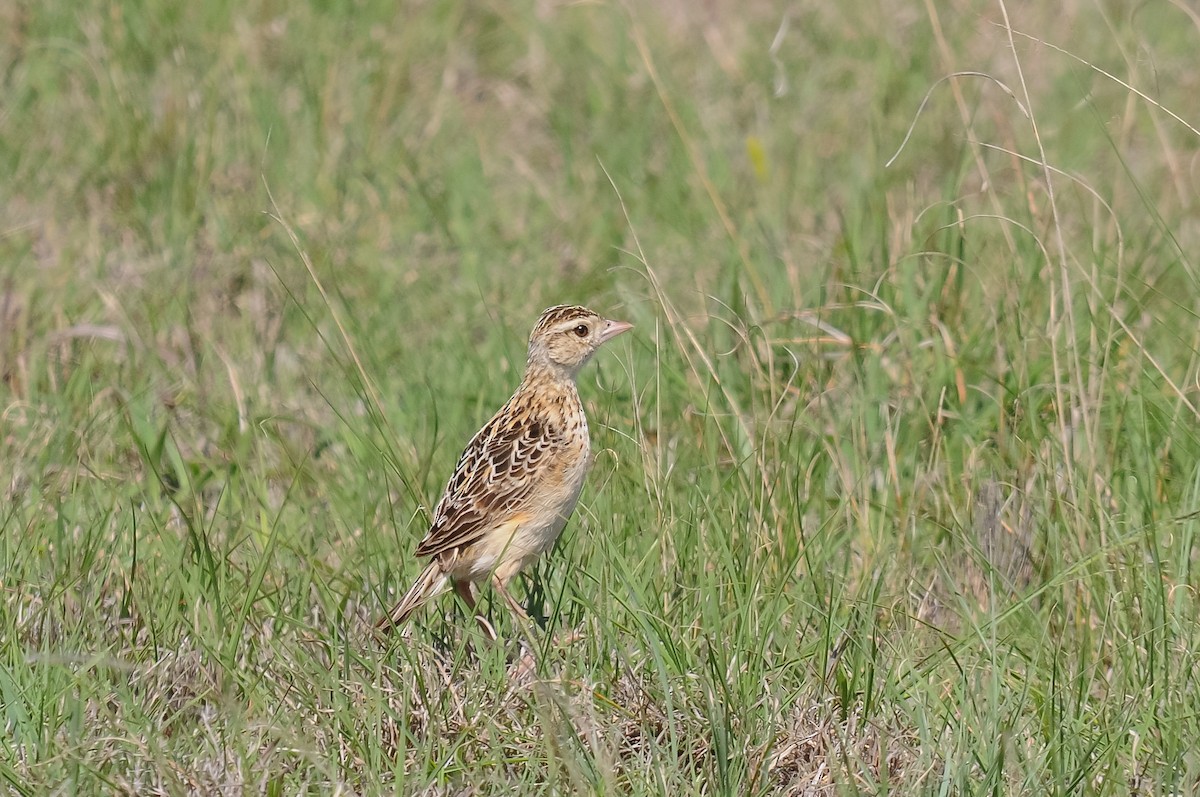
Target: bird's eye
(581,330)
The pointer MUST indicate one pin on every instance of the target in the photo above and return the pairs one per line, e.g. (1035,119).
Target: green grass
(899,473)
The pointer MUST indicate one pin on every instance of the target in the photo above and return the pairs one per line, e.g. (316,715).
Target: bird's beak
(614,328)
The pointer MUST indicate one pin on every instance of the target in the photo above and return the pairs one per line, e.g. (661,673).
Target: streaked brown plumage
(519,478)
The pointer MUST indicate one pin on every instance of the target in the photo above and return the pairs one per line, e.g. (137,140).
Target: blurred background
(898,471)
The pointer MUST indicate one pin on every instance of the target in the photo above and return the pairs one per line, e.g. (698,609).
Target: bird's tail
(432,582)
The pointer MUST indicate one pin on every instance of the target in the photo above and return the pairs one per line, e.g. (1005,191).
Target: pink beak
(614,328)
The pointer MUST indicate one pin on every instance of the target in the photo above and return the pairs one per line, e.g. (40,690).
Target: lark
(518,480)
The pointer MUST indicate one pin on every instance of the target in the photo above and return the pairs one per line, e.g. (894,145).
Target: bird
(518,480)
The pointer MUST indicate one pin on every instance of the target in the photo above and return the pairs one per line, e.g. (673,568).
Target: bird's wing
(495,477)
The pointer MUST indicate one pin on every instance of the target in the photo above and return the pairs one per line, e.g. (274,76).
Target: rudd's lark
(519,478)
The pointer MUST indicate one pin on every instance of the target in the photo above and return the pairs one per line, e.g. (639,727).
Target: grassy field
(898,477)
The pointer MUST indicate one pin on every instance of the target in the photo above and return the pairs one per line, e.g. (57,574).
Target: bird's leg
(562,640)
(463,588)
(464,591)
(525,666)
(501,587)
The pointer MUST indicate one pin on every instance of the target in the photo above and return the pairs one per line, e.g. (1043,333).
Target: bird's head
(567,336)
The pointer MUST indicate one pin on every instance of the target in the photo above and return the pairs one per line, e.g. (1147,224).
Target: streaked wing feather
(495,477)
